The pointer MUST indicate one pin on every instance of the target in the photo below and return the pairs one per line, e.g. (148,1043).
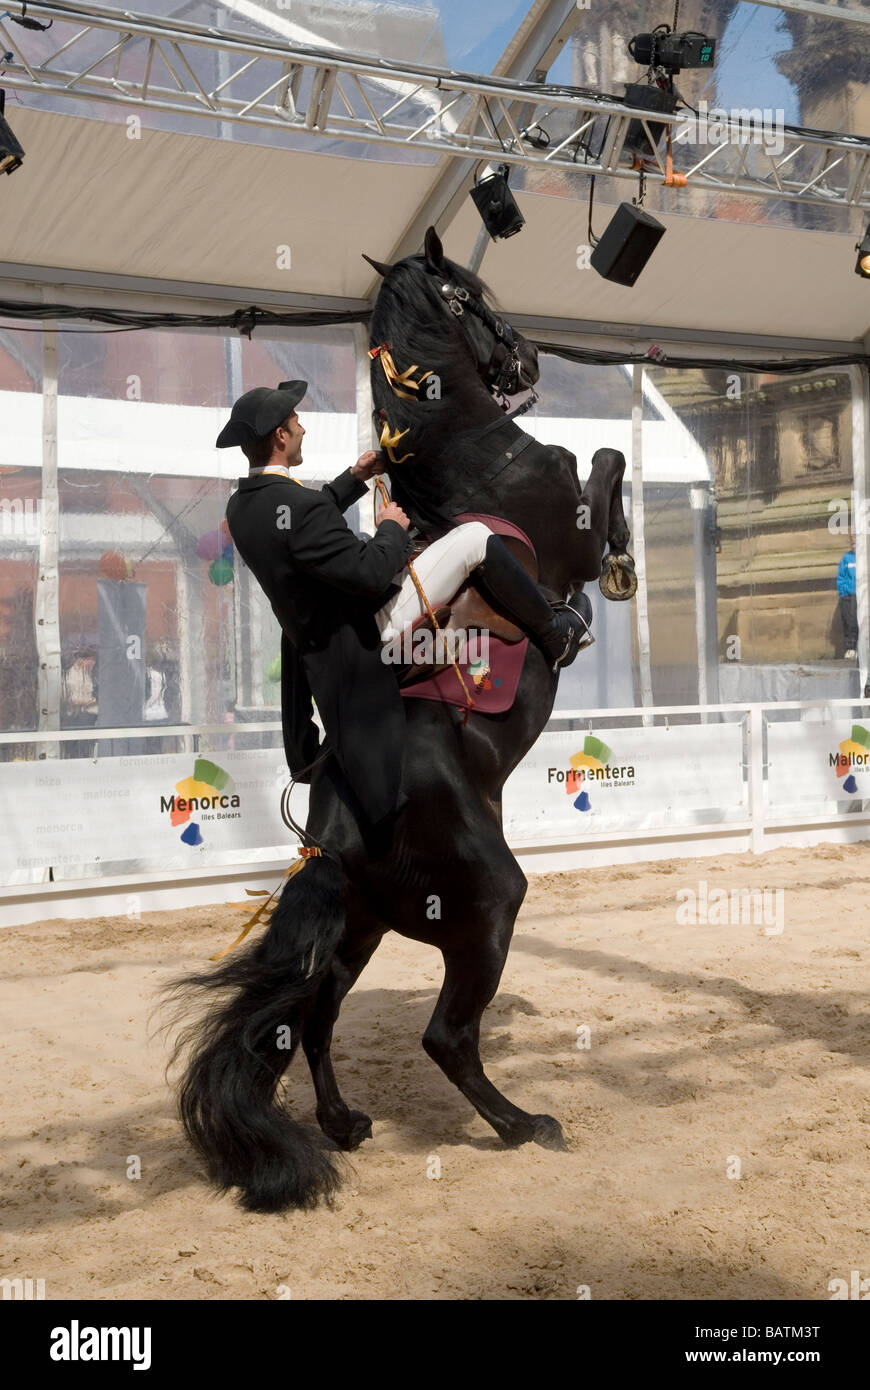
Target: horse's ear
(433,249)
(377,265)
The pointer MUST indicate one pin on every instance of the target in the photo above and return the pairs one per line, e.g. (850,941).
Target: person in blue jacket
(848,601)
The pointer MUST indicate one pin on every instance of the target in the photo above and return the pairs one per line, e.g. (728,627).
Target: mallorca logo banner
(816,761)
(853,757)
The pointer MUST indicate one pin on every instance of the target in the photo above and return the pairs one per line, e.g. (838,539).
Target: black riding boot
(503,580)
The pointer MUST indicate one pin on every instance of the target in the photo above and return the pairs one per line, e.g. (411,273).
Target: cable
(598,357)
(494,126)
(19,310)
(245,320)
(593,239)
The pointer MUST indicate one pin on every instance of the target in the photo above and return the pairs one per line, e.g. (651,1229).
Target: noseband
(504,372)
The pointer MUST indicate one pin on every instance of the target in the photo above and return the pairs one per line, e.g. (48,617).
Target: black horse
(447,847)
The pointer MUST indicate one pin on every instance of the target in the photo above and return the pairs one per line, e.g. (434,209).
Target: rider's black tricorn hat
(258,412)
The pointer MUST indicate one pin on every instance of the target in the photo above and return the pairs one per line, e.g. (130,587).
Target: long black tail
(243,1044)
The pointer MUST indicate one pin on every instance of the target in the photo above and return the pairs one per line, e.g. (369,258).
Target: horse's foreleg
(473,970)
(347,1128)
(604,495)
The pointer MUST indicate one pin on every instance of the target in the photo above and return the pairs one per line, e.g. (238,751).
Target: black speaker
(11,153)
(627,244)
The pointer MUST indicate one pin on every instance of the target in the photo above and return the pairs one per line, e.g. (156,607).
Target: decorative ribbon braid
(389,440)
(398,380)
(266,909)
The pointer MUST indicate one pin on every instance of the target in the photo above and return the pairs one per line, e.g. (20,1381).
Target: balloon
(112,566)
(220,571)
(273,671)
(210,546)
(228,552)
(225,527)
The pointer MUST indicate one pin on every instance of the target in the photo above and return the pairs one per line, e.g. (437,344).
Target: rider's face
(290,436)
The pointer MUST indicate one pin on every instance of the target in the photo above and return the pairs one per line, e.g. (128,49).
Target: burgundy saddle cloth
(492,685)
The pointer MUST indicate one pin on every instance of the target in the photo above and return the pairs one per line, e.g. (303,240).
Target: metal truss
(137,62)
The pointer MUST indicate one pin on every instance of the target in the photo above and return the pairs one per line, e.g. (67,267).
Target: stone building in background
(779,448)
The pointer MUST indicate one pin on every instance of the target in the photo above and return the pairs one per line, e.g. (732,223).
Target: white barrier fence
(598,787)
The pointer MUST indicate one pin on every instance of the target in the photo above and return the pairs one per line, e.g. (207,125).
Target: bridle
(504,372)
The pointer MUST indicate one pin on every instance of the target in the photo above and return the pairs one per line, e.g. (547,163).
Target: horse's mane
(411,316)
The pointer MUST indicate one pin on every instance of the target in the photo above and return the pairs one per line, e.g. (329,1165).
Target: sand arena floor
(710,1046)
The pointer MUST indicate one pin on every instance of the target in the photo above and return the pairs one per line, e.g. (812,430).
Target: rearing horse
(454,452)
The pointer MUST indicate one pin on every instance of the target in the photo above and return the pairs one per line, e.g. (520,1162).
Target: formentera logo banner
(592,768)
(648,776)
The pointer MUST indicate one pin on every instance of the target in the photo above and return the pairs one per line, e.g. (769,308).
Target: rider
(338,597)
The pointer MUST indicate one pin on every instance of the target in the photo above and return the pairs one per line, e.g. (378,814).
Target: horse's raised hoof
(534,1129)
(347,1130)
(618,580)
(548,1133)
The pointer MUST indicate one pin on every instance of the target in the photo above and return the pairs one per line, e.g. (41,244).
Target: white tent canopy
(244,213)
(87,199)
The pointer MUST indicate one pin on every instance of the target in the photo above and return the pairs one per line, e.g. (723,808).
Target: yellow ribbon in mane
(396,378)
(389,441)
(397,381)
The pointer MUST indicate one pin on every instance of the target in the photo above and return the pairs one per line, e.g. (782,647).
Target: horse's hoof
(618,580)
(548,1133)
(347,1131)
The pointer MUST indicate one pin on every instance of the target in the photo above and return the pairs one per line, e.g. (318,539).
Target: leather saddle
(469,610)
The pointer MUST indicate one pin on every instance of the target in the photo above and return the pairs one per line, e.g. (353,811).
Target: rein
(507,417)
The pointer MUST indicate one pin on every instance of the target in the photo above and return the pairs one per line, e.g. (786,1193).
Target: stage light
(496,204)
(673,52)
(626,245)
(862,265)
(11,153)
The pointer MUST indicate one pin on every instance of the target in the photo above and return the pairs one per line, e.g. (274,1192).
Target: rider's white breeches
(442,568)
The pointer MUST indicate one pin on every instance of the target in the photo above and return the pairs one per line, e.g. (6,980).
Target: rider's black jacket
(325,585)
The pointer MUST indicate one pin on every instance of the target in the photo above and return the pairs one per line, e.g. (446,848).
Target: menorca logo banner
(177,810)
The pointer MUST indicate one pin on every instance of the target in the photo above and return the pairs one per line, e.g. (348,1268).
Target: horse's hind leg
(473,969)
(347,1128)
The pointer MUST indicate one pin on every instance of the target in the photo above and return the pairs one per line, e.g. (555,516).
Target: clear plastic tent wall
(747,478)
(742,478)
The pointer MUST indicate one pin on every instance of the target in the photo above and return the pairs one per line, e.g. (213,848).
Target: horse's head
(505,361)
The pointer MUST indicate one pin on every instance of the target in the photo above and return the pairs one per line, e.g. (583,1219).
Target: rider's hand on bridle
(393,512)
(369,464)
